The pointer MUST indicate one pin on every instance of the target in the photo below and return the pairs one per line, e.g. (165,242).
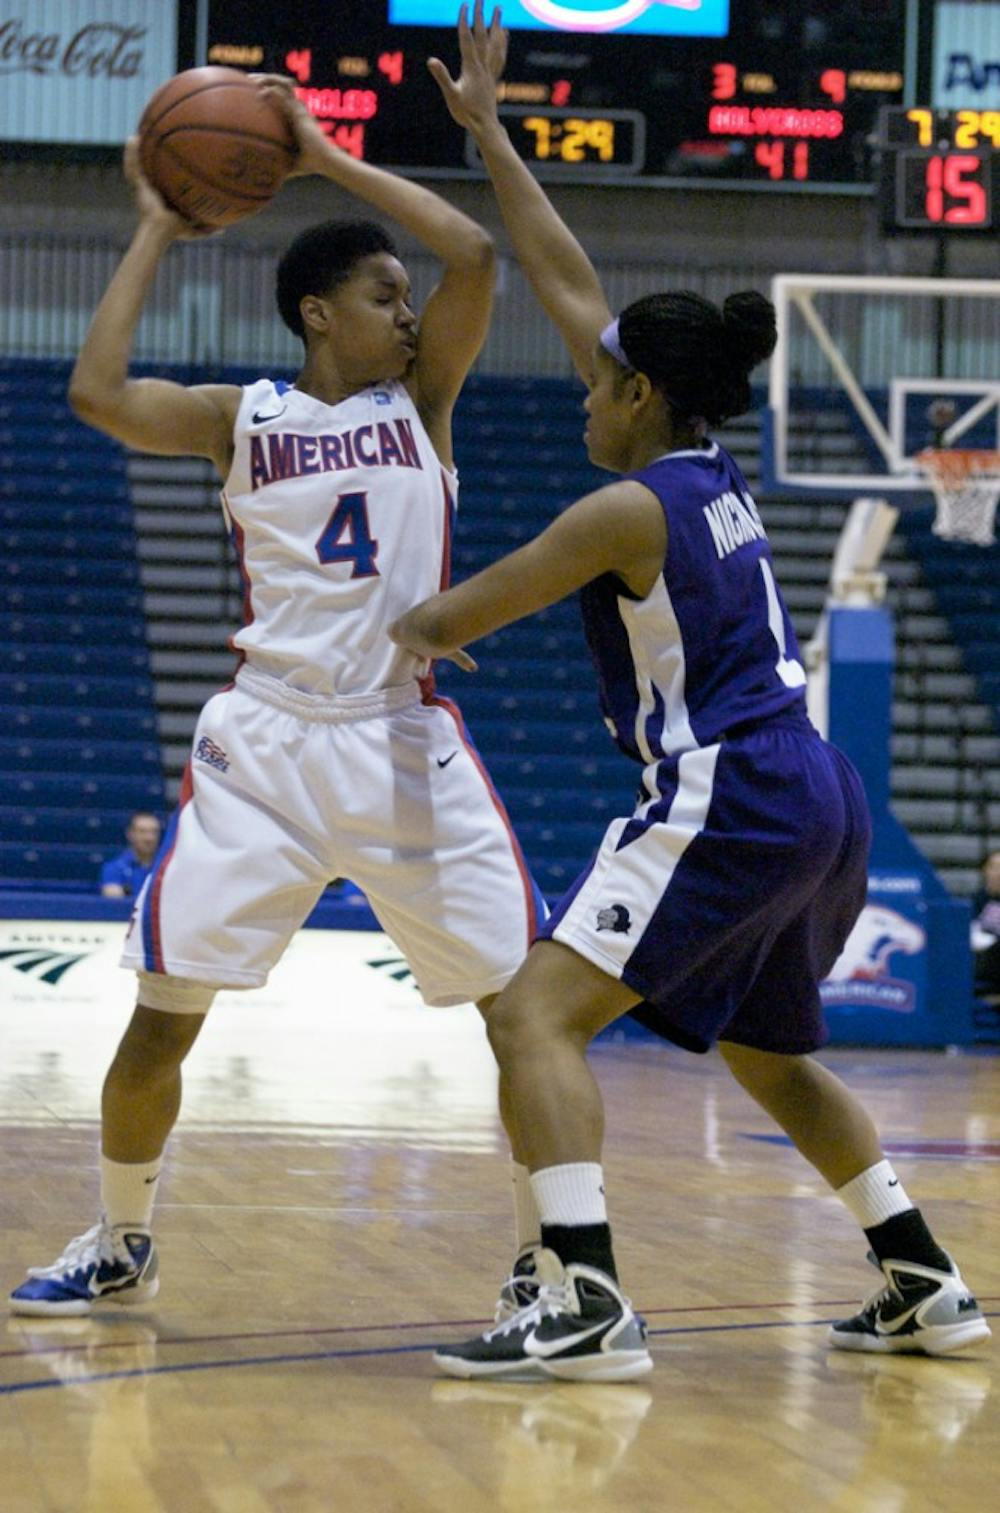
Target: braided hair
(698,356)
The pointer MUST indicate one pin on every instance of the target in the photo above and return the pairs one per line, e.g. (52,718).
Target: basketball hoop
(966,486)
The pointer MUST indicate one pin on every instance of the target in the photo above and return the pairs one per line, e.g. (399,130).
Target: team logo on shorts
(615,918)
(207,751)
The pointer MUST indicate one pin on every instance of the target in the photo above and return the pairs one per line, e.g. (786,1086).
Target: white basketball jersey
(341,519)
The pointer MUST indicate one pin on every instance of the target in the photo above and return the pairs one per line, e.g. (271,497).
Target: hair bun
(751,329)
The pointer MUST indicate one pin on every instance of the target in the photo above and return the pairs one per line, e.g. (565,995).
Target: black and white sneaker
(580,1328)
(521,1288)
(921,1310)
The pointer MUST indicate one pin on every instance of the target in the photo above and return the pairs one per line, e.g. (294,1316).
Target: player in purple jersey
(715,909)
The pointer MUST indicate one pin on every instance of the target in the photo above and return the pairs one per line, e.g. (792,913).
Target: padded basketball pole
(916,989)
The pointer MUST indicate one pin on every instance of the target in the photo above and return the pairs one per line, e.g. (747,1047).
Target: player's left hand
(314,146)
(472,97)
(405,633)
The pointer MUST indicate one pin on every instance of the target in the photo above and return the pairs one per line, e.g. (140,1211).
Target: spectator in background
(123,876)
(986,928)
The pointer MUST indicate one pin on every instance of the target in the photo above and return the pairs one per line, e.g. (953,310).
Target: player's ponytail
(698,356)
(751,331)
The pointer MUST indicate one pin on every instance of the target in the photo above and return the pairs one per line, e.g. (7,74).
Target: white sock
(128,1191)
(527,1224)
(875,1195)
(571,1194)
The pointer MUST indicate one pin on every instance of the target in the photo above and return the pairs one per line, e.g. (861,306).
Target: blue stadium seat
(36,491)
(40,755)
(34,721)
(72,790)
(93,827)
(93,661)
(36,538)
(83,599)
(88,629)
(71,690)
(42,571)
(80,516)
(65,861)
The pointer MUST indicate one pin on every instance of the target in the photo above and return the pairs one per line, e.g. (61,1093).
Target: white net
(966,486)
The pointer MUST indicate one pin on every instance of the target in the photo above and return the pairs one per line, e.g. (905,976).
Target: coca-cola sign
(82,70)
(100,49)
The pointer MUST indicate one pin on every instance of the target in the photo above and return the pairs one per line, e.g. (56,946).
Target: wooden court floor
(336,1202)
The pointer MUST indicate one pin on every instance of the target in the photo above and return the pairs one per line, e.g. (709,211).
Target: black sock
(586,1244)
(905,1237)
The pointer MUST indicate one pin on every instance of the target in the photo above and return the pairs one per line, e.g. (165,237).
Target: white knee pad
(174,995)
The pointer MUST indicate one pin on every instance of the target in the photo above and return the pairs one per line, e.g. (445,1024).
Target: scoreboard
(940,170)
(788,98)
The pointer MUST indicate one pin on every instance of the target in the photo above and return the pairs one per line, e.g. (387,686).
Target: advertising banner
(966,55)
(339,1039)
(81,71)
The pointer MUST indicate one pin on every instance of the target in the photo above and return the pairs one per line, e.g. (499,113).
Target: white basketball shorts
(285,791)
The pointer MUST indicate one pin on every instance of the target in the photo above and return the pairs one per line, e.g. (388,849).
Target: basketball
(214,146)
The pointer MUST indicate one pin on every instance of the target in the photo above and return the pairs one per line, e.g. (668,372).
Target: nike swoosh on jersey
(534,1346)
(261,420)
(443,761)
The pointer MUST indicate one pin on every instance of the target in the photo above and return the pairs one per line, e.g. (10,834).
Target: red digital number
(952,199)
(299,63)
(724,81)
(391,64)
(771,155)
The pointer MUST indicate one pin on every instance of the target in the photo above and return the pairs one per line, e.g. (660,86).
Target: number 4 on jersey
(347,538)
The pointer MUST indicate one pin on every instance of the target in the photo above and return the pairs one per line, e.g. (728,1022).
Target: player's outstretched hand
(472,97)
(405,632)
(152,207)
(313,144)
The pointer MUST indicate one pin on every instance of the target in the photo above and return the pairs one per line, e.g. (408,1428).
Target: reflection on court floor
(336,1201)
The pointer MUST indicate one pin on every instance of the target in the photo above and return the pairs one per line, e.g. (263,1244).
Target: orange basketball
(214,146)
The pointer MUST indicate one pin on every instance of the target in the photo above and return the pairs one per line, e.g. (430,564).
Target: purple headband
(612,344)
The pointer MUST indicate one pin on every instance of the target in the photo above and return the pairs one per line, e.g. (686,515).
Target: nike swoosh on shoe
(895,1324)
(542,1349)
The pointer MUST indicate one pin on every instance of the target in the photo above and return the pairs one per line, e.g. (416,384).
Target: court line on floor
(11,1389)
(121,1319)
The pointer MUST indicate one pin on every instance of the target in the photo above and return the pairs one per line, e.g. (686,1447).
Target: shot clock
(940,170)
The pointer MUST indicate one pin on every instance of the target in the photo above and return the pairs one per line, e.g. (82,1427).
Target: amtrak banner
(331,1040)
(966,55)
(81,71)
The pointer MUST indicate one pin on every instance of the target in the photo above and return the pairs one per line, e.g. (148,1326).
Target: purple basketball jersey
(711,647)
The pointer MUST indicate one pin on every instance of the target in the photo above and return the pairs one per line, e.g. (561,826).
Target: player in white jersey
(331,755)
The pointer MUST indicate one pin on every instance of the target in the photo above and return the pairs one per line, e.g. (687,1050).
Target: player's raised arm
(151,415)
(456,316)
(555,264)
